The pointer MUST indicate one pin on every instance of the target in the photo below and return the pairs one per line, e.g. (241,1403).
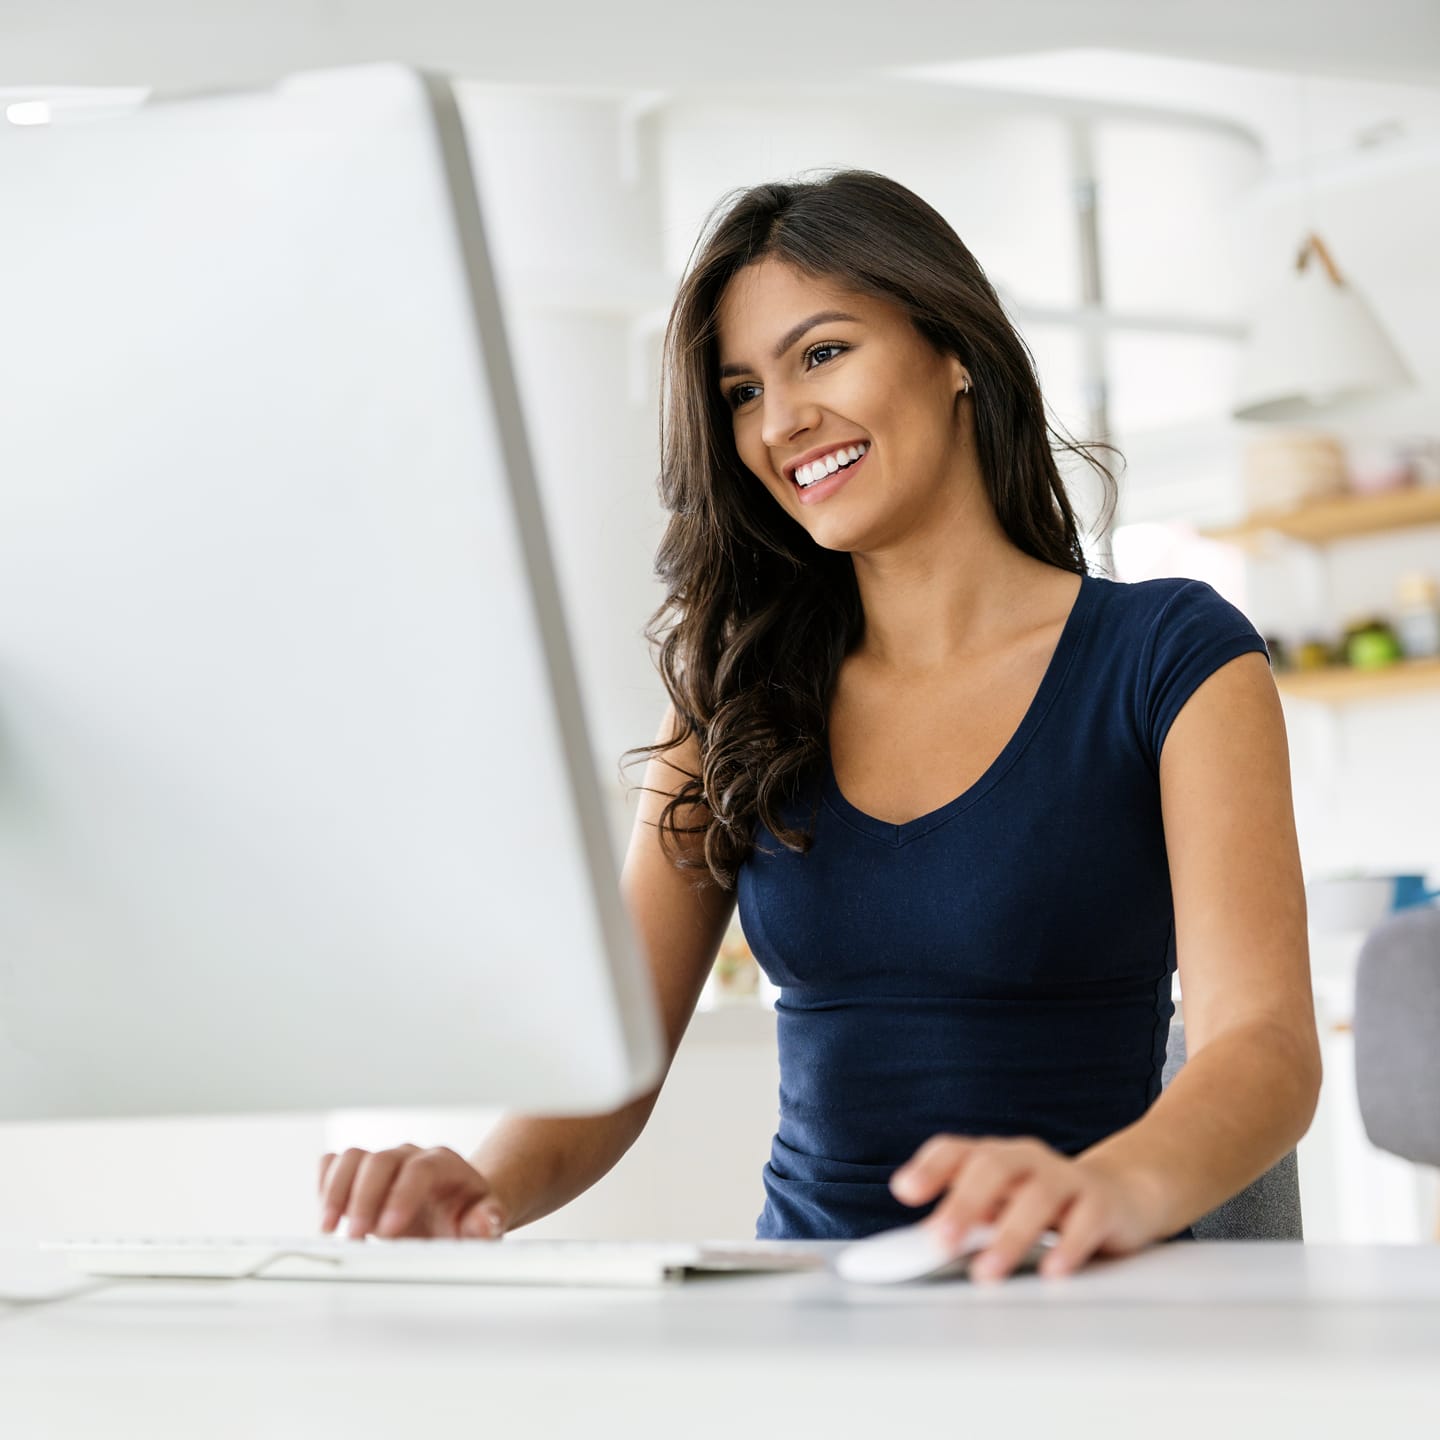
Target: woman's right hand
(408,1191)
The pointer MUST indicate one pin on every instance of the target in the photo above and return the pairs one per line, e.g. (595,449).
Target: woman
(975,804)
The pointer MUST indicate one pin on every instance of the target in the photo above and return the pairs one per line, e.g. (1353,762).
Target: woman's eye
(740,394)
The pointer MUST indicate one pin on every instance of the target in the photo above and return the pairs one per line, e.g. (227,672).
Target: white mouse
(913,1252)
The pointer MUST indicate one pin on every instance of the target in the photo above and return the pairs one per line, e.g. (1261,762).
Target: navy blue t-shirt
(1000,966)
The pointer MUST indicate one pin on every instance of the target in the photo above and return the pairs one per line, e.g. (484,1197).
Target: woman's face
(810,369)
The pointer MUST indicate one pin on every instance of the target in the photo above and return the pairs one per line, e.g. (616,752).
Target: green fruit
(1373,649)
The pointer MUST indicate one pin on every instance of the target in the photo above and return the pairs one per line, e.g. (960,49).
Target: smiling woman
(976,804)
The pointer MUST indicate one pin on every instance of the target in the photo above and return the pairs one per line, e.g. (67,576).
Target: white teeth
(807,475)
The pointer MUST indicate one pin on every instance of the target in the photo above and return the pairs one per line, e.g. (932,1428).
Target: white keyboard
(513,1260)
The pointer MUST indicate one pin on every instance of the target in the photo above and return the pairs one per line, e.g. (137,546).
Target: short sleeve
(1196,632)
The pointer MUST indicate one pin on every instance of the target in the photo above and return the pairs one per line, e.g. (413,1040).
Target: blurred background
(1139,183)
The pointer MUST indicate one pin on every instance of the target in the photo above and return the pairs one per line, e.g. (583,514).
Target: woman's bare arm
(1250,1084)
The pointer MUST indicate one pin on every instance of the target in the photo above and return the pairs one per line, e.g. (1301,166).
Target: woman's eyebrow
(821,317)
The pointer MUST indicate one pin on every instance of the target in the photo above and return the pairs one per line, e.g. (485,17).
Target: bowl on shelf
(1285,469)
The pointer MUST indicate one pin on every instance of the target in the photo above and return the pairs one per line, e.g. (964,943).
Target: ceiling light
(1314,345)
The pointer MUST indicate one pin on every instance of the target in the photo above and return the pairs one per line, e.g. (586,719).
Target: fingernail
(330,1219)
(494,1219)
(390,1220)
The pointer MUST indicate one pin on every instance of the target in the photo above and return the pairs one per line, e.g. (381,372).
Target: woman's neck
(959,589)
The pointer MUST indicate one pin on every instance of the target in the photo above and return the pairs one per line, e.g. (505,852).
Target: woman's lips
(825,488)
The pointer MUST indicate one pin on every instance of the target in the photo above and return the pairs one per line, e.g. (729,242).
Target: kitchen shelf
(1341,684)
(1322,521)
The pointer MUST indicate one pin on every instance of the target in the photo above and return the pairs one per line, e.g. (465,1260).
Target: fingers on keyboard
(372,1184)
(435,1187)
(413,1188)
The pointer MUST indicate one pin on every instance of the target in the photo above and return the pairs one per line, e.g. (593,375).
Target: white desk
(1191,1339)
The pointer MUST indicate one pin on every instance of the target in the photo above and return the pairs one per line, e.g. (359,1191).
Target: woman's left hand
(1024,1187)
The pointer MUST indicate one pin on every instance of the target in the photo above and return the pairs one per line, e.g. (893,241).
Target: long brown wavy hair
(757,617)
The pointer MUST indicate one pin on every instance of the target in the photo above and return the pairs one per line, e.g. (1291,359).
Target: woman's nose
(786,416)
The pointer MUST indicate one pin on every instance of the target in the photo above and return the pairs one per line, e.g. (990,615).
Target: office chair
(1266,1209)
(1397,1035)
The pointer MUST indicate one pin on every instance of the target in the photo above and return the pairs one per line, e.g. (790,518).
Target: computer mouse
(914,1252)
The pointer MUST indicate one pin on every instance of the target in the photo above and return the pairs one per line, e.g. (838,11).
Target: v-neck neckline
(1044,697)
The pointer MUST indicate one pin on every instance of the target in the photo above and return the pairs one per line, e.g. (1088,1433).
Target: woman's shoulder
(1151,609)
(1170,634)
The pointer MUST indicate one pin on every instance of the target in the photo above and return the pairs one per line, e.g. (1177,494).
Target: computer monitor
(297,804)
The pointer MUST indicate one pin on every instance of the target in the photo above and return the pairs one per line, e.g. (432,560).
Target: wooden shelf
(1343,684)
(1322,521)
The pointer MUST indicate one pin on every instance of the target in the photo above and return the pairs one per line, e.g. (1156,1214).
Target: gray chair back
(1397,1034)
(1267,1208)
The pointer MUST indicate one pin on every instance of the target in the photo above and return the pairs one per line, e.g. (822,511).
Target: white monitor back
(297,805)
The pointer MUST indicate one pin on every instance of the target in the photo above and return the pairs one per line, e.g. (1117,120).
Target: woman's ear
(960,376)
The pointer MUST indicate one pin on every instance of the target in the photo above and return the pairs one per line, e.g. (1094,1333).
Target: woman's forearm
(1232,1111)
(536,1164)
